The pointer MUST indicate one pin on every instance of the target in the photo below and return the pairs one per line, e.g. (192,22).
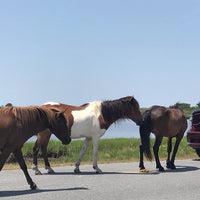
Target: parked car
(193,134)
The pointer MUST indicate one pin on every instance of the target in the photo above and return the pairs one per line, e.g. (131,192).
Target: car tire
(198,152)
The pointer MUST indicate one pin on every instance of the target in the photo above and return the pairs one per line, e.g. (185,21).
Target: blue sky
(76,51)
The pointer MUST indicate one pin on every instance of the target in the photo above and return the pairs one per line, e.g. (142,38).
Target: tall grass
(110,150)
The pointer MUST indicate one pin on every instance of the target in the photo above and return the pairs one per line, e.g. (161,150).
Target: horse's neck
(114,115)
(34,122)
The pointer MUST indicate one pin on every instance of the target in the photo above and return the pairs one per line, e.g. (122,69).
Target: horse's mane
(113,110)
(85,104)
(176,106)
(24,115)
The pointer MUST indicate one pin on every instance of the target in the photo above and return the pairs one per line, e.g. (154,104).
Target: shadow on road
(178,169)
(183,169)
(196,159)
(10,193)
(154,172)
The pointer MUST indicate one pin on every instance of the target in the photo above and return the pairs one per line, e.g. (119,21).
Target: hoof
(51,172)
(141,167)
(170,165)
(173,167)
(77,171)
(37,172)
(33,186)
(99,171)
(161,169)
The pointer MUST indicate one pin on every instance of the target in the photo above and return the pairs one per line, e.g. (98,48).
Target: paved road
(119,181)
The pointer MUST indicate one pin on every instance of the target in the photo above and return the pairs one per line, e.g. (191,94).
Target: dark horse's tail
(145,130)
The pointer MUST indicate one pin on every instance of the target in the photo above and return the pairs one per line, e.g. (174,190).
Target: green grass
(110,150)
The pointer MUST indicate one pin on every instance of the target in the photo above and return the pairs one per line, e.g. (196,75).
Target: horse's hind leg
(46,161)
(169,149)
(172,165)
(83,150)
(19,156)
(156,149)
(35,162)
(95,155)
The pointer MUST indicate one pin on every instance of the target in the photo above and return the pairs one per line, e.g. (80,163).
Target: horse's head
(58,126)
(134,114)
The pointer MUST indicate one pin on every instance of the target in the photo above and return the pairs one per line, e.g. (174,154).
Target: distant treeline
(187,108)
(8,104)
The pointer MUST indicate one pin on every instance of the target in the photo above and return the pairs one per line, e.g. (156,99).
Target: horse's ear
(60,115)
(58,110)
(55,109)
(132,100)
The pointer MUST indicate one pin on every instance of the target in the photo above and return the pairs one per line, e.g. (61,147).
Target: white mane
(51,103)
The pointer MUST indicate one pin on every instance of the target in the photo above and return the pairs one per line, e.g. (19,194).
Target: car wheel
(198,152)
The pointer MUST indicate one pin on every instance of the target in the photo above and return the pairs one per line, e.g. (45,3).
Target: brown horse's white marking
(18,124)
(91,121)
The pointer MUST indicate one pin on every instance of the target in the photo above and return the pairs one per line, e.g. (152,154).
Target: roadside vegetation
(110,150)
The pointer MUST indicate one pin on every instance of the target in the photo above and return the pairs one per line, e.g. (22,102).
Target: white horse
(91,121)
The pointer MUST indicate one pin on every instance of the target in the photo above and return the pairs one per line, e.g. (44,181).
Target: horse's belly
(170,132)
(82,130)
(87,127)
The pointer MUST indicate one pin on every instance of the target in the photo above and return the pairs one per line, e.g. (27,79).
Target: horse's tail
(145,130)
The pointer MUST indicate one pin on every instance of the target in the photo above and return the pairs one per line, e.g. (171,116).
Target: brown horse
(163,122)
(91,121)
(18,124)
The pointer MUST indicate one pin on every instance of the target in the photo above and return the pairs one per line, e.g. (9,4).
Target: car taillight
(193,128)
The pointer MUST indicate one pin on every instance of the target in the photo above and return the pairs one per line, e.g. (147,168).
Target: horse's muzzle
(66,140)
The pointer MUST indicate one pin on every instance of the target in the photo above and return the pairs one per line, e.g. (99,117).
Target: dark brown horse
(163,122)
(91,121)
(18,124)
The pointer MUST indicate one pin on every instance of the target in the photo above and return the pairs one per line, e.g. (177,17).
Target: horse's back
(158,112)
(82,120)
(167,121)
(16,123)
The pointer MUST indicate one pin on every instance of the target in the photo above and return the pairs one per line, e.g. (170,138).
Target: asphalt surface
(118,181)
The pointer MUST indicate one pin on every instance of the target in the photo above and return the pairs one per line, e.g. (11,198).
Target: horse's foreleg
(95,155)
(82,152)
(19,156)
(155,150)
(35,162)
(141,165)
(3,157)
